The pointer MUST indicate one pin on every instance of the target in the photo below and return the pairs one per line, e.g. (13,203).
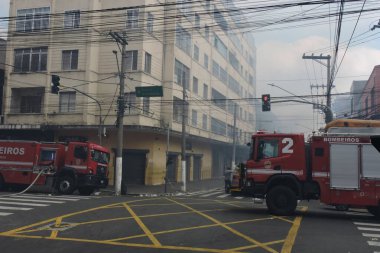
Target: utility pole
(183,148)
(328,114)
(120,39)
(234,140)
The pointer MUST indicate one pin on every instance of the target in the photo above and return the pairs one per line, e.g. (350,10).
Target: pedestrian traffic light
(55,84)
(265,99)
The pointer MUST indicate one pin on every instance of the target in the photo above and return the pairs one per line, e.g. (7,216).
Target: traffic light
(265,99)
(55,84)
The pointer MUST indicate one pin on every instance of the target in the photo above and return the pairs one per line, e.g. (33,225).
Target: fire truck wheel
(374,210)
(85,190)
(281,200)
(66,185)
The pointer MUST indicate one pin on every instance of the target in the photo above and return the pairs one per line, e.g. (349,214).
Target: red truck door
(278,154)
(77,157)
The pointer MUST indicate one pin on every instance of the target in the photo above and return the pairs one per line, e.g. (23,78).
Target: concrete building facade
(370,99)
(173,44)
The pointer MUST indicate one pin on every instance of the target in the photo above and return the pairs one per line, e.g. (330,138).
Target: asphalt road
(195,223)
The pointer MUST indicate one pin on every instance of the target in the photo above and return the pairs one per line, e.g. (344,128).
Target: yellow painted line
(17,230)
(150,246)
(190,228)
(228,228)
(253,246)
(290,239)
(58,223)
(142,226)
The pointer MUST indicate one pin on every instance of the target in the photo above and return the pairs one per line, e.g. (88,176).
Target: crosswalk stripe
(367,224)
(371,235)
(223,196)
(21,204)
(372,243)
(5,214)
(368,229)
(34,200)
(239,197)
(210,194)
(42,197)
(58,196)
(15,208)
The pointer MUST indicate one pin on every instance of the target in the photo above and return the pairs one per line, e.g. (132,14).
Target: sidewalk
(171,188)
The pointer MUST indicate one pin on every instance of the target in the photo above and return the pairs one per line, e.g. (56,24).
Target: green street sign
(149,91)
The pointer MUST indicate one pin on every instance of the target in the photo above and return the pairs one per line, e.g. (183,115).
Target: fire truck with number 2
(339,168)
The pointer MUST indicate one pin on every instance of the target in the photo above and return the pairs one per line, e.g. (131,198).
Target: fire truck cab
(339,168)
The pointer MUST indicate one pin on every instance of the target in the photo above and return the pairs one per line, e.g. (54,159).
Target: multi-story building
(356,92)
(369,99)
(173,44)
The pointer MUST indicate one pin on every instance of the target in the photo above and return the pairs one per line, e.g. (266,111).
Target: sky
(279,62)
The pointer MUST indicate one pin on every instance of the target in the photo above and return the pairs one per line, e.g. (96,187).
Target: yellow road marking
(13,231)
(228,228)
(142,226)
(253,246)
(189,228)
(290,239)
(54,233)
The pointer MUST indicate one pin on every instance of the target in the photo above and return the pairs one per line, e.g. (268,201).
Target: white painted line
(42,197)
(15,208)
(372,243)
(5,214)
(223,196)
(239,197)
(367,224)
(371,235)
(369,229)
(21,204)
(34,200)
(210,194)
(64,196)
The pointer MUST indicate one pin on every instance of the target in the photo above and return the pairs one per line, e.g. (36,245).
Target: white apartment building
(193,44)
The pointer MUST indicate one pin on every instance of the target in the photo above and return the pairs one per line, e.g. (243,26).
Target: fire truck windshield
(99,156)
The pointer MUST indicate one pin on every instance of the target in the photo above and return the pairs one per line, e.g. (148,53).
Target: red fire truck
(340,168)
(66,167)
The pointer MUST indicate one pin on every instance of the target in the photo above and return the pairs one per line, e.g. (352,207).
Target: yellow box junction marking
(147,233)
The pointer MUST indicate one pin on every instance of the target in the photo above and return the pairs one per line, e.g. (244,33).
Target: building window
(196,53)
(30,59)
(183,40)
(218,99)
(204,121)
(69,59)
(182,74)
(207,32)
(149,23)
(130,103)
(205,91)
(197,21)
(148,63)
(205,61)
(194,118)
(184,6)
(30,104)
(218,127)
(67,101)
(133,18)
(195,85)
(178,110)
(146,105)
(131,60)
(220,46)
(35,19)
(72,19)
